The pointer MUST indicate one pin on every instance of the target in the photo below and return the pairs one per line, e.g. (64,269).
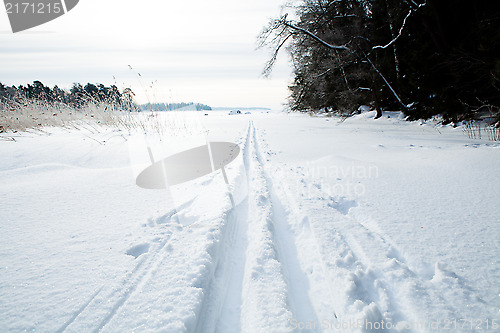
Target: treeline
(425,57)
(174,106)
(77,97)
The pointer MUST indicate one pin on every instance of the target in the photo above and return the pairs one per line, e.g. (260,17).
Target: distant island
(175,107)
(191,106)
(225,108)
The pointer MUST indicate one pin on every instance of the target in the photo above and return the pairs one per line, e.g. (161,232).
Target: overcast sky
(198,50)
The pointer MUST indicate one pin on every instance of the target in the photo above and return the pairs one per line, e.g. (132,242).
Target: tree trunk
(375,88)
(394,48)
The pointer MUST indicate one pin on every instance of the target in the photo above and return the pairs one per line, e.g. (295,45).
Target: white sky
(198,50)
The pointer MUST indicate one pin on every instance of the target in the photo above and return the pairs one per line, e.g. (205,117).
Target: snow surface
(352,226)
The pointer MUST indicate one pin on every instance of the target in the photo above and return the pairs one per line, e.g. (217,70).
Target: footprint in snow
(262,200)
(137,250)
(394,253)
(342,205)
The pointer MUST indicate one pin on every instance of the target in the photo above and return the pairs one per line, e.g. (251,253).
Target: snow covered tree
(424,57)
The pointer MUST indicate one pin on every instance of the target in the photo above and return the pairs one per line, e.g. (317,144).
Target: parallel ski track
(223,311)
(295,275)
(77,313)
(267,302)
(107,301)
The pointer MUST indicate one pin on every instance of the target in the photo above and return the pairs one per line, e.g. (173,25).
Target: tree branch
(270,63)
(313,36)
(400,33)
(397,37)
(284,22)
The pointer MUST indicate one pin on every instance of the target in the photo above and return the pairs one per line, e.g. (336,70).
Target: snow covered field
(355,226)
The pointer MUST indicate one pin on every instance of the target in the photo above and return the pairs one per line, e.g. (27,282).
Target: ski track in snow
(109,299)
(371,279)
(268,280)
(281,260)
(222,302)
